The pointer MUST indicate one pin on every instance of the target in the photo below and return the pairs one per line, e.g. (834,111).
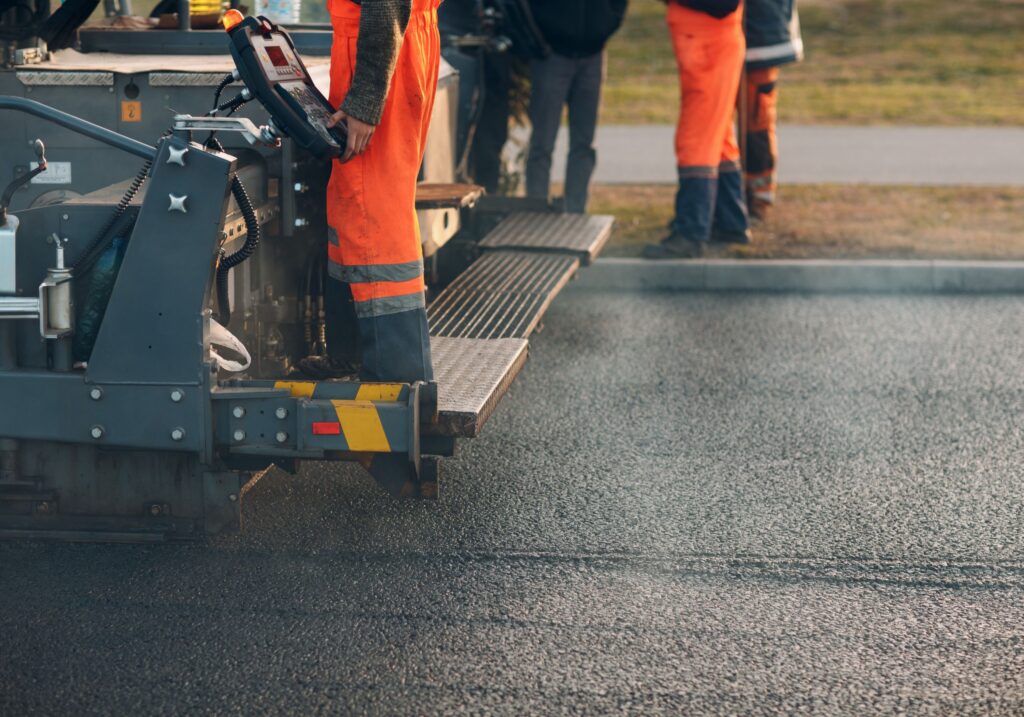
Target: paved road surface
(844,155)
(689,504)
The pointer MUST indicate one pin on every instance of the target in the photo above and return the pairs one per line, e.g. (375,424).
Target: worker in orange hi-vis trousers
(773,39)
(707,36)
(384,67)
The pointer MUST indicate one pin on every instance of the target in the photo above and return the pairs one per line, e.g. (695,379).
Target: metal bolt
(299,187)
(64,217)
(42,507)
(176,155)
(232,497)
(155,509)
(177,434)
(282,437)
(301,222)
(177,394)
(238,412)
(281,412)
(177,203)
(239,435)
(96,393)
(96,432)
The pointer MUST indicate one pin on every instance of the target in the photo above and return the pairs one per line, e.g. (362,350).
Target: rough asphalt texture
(688,504)
(840,155)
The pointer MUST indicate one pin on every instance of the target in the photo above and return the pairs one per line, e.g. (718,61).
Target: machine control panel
(270,67)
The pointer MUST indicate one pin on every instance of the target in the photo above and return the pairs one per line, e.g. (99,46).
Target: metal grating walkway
(472,376)
(501,295)
(581,235)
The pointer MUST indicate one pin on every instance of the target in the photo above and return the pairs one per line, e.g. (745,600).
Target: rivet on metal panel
(239,435)
(96,432)
(281,412)
(96,393)
(282,437)
(177,203)
(177,434)
(177,394)
(176,155)
(238,412)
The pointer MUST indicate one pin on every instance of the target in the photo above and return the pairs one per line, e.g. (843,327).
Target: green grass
(833,221)
(940,62)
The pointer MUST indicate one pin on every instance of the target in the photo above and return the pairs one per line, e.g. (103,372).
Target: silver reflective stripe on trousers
(390,305)
(376,272)
(698,171)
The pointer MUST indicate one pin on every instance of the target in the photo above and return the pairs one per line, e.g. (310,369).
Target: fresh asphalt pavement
(689,503)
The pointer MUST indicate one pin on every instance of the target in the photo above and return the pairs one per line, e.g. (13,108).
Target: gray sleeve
(382,25)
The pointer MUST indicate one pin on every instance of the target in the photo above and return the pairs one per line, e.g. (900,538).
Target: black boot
(674,246)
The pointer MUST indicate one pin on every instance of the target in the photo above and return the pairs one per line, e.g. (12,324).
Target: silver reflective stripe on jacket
(793,50)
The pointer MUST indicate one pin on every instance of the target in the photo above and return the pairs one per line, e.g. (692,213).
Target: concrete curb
(817,276)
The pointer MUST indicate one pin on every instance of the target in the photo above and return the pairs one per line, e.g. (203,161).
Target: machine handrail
(79,125)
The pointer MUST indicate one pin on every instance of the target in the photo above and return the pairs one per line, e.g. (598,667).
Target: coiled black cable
(105,235)
(252,239)
(227,80)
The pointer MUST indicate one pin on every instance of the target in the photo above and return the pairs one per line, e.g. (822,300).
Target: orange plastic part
(231,19)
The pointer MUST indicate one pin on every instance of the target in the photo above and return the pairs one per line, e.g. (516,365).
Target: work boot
(324,368)
(674,246)
(759,209)
(731,237)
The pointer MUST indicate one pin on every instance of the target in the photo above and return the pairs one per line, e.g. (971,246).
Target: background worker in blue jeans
(577,32)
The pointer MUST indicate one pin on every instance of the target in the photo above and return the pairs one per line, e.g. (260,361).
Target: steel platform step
(472,375)
(503,294)
(582,235)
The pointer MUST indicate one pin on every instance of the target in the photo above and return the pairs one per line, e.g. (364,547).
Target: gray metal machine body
(149,441)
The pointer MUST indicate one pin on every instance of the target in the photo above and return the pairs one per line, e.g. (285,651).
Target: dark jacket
(773,33)
(718,9)
(578,28)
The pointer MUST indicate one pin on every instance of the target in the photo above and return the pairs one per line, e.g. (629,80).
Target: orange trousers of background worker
(710,55)
(374,238)
(762,144)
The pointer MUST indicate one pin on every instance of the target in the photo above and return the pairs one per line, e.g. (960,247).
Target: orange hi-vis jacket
(374,237)
(709,53)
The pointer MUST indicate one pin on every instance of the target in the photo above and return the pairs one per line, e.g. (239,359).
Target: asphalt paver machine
(162,273)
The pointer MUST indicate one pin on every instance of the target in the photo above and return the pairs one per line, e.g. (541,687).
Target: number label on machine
(272,70)
(131,111)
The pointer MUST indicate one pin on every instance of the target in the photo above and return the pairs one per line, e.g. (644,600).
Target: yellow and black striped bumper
(310,419)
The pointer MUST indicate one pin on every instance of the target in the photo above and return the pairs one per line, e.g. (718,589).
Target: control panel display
(273,71)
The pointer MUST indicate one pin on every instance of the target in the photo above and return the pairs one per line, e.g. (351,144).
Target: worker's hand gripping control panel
(270,67)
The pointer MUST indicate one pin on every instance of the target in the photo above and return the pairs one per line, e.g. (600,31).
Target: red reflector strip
(326,428)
